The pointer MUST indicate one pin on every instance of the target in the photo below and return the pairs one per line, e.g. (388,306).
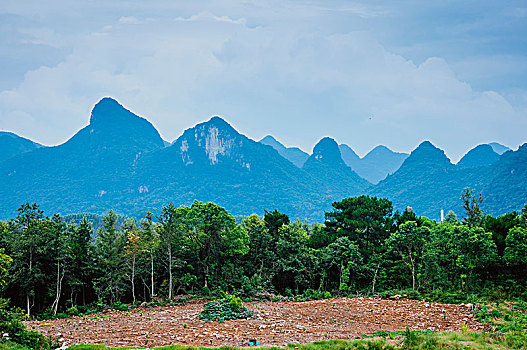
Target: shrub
(229,308)
(11,325)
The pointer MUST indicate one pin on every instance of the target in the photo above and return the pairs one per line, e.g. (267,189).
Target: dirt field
(273,323)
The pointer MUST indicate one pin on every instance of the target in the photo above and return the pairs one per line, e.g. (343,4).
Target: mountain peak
(12,144)
(109,111)
(327,151)
(293,154)
(479,156)
(268,138)
(271,141)
(426,154)
(209,142)
(218,122)
(112,124)
(499,148)
(378,151)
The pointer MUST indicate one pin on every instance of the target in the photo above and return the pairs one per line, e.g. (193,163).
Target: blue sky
(362,72)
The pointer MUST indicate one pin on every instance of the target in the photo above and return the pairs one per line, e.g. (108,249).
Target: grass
(12,346)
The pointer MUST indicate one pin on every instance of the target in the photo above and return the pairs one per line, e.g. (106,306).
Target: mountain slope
(350,157)
(294,154)
(505,187)
(426,181)
(333,176)
(375,165)
(380,162)
(11,145)
(499,148)
(480,155)
(90,172)
(213,162)
(120,162)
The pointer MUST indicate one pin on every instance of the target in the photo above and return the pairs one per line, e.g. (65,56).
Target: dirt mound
(272,323)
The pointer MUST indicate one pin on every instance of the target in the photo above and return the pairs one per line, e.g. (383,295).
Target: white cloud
(264,75)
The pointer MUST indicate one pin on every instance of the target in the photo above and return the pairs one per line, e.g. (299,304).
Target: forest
(55,266)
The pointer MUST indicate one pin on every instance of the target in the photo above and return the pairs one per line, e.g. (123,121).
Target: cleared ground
(273,323)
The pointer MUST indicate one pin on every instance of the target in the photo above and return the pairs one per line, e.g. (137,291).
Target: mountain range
(120,162)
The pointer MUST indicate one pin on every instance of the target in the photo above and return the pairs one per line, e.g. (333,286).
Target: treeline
(50,266)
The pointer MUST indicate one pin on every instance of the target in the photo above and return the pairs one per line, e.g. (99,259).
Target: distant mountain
(350,157)
(423,182)
(499,148)
(428,182)
(375,165)
(505,187)
(293,154)
(213,162)
(333,176)
(119,161)
(478,156)
(11,145)
(91,172)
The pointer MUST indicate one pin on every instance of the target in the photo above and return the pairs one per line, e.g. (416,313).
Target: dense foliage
(228,308)
(52,267)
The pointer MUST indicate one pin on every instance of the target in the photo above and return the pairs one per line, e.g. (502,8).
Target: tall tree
(27,245)
(150,243)
(132,251)
(174,225)
(499,227)
(60,254)
(516,247)
(261,258)
(365,220)
(80,252)
(474,215)
(344,257)
(274,220)
(215,234)
(410,241)
(108,247)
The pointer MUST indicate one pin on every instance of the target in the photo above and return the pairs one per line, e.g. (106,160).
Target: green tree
(296,263)
(474,215)
(150,242)
(365,220)
(274,220)
(500,226)
(80,252)
(458,250)
(516,247)
(59,253)
(261,257)
(5,261)
(174,226)
(215,235)
(344,257)
(410,242)
(27,245)
(132,251)
(109,247)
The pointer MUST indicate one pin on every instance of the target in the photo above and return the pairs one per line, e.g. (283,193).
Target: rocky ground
(272,323)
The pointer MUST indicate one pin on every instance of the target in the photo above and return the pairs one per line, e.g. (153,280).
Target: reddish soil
(273,323)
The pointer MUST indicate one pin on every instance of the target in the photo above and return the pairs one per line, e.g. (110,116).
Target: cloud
(282,75)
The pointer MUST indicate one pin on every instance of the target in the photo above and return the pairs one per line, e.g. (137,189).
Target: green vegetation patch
(229,308)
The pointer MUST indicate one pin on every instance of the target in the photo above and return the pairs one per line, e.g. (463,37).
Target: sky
(362,72)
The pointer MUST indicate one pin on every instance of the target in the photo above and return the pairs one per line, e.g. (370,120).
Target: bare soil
(272,323)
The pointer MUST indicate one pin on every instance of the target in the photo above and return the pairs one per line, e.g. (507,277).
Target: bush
(121,306)
(11,324)
(229,308)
